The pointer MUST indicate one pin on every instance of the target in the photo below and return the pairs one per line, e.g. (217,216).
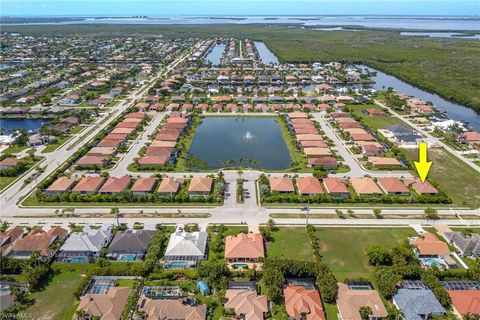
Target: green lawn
(457,179)
(375,122)
(56,301)
(14,149)
(54,146)
(343,249)
(5,181)
(290,243)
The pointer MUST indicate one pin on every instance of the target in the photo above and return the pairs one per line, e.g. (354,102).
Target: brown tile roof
(107,306)
(61,184)
(392,185)
(349,303)
(92,160)
(115,185)
(383,161)
(101,151)
(365,185)
(309,185)
(317,152)
(422,188)
(9,162)
(116,136)
(465,301)
(335,185)
(323,161)
(124,124)
(110,143)
(167,136)
(313,144)
(281,184)
(168,185)
(246,304)
(200,184)
(89,184)
(171,309)
(139,115)
(301,303)
(143,184)
(152,160)
(244,246)
(430,245)
(122,131)
(159,151)
(309,137)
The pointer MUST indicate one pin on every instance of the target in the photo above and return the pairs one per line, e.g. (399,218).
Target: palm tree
(80,314)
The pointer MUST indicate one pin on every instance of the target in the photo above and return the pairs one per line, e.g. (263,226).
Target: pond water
(224,141)
(455,111)
(10,125)
(266,56)
(215,55)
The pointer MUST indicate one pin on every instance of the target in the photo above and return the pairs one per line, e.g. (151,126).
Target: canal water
(215,55)
(7,126)
(266,56)
(454,111)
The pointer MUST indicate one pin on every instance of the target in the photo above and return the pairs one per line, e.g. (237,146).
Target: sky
(40,8)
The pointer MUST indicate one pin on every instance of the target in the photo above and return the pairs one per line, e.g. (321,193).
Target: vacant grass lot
(457,179)
(56,301)
(343,249)
(290,243)
(375,122)
(5,181)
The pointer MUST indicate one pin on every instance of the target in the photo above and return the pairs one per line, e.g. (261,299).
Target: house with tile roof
(62,184)
(200,186)
(130,245)
(392,185)
(308,186)
(365,186)
(171,309)
(168,186)
(39,241)
(84,246)
(8,239)
(143,185)
(336,187)
(186,248)
(246,304)
(465,301)
(88,185)
(429,246)
(281,184)
(302,303)
(108,306)
(246,248)
(115,185)
(351,298)
(422,187)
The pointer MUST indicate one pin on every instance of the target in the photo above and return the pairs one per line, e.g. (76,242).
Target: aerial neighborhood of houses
(152,177)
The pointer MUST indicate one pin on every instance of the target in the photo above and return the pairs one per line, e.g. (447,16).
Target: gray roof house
(130,245)
(83,247)
(467,245)
(185,249)
(417,304)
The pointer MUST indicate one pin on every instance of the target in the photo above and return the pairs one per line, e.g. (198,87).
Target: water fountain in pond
(248,136)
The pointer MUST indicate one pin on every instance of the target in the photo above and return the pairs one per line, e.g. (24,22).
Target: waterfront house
(152,160)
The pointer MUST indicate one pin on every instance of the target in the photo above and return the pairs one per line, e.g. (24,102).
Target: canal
(215,55)
(454,111)
(266,56)
(7,126)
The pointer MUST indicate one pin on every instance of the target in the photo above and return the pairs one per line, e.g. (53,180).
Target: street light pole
(308,211)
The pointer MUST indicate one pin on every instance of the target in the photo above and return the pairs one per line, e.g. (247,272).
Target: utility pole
(308,211)
(116,214)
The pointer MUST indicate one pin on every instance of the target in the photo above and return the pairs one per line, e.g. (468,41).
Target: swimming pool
(127,257)
(239,266)
(175,265)
(432,262)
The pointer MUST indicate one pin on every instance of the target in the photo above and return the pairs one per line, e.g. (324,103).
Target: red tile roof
(89,184)
(115,185)
(143,184)
(281,184)
(309,185)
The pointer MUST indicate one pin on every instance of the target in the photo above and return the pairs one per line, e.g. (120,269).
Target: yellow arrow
(422,166)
